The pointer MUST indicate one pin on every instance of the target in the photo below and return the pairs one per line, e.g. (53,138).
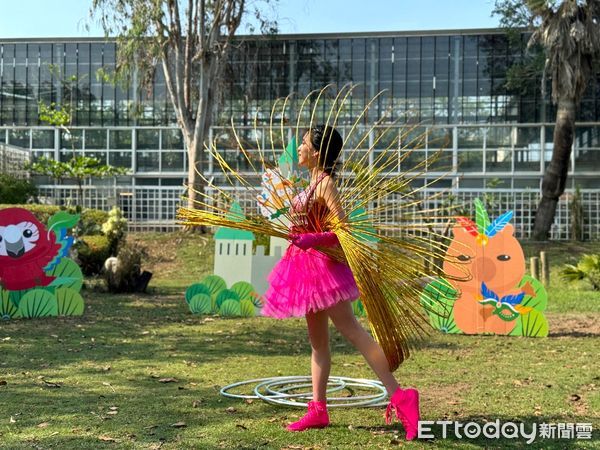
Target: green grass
(64,375)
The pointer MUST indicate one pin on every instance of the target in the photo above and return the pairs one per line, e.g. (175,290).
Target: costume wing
(391,239)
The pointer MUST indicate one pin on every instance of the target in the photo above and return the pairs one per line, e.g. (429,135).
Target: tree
(569,32)
(78,167)
(190,38)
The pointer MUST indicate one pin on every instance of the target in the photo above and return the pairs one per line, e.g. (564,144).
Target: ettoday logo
(506,430)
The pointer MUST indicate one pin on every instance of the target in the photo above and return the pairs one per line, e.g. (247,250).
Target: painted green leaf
(70,303)
(68,275)
(438,301)
(358,308)
(200,304)
(438,297)
(534,324)
(243,289)
(215,283)
(247,308)
(16,296)
(518,329)
(8,310)
(362,226)
(445,324)
(540,301)
(38,303)
(230,308)
(226,294)
(62,219)
(481,217)
(256,300)
(195,289)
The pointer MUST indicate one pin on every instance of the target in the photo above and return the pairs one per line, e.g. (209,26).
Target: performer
(307,282)
(368,235)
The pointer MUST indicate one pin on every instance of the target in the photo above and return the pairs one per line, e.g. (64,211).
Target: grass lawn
(139,371)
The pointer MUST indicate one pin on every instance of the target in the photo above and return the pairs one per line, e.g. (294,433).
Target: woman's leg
(320,363)
(404,402)
(318,333)
(344,320)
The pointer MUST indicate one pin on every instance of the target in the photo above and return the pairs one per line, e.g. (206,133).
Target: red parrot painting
(28,249)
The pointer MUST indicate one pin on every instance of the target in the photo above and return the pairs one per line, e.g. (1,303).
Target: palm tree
(571,37)
(587,268)
(569,32)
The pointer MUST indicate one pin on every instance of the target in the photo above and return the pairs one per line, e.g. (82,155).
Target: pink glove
(311,240)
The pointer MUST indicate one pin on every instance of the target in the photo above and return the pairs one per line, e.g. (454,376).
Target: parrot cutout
(28,250)
(36,277)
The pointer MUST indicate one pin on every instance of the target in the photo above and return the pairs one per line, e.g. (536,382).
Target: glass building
(450,83)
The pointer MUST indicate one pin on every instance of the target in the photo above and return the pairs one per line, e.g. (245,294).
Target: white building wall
(233,260)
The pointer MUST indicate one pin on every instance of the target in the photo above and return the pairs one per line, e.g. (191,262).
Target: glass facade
(449,85)
(439,78)
(74,73)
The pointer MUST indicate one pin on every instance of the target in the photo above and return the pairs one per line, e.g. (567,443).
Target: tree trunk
(196,185)
(79,206)
(196,138)
(555,175)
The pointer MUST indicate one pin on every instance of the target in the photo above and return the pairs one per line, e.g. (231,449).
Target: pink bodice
(309,214)
(301,203)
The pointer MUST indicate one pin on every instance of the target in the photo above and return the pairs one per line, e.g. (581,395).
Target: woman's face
(307,155)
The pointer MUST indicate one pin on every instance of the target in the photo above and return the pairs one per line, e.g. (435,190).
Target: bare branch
(187,69)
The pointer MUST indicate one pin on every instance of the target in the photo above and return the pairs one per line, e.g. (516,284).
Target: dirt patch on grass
(574,325)
(445,396)
(176,258)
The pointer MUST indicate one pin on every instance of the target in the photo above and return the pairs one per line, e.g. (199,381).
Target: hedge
(91,219)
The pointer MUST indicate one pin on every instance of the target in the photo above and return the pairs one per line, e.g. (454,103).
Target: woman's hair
(328,142)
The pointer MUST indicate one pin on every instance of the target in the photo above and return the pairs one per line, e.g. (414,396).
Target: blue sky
(67,18)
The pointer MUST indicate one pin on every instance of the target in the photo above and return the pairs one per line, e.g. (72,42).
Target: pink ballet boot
(316,417)
(406,404)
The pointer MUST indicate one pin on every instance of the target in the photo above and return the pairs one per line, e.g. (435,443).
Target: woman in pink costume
(307,282)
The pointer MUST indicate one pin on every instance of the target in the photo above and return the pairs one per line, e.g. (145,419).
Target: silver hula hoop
(280,391)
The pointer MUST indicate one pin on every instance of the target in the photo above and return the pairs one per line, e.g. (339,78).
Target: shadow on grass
(137,328)
(140,328)
(573,334)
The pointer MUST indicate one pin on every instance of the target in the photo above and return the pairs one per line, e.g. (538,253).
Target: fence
(146,208)
(154,208)
(502,163)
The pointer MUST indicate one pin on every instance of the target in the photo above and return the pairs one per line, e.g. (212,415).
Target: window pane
(147,161)
(95,139)
(147,139)
(173,161)
(120,139)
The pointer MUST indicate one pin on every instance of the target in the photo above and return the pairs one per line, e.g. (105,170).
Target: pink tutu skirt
(305,281)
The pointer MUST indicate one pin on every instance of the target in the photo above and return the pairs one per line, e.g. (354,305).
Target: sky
(68,18)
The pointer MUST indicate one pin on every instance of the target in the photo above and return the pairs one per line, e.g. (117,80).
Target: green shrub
(15,190)
(92,251)
(91,219)
(587,268)
(91,222)
(41,212)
